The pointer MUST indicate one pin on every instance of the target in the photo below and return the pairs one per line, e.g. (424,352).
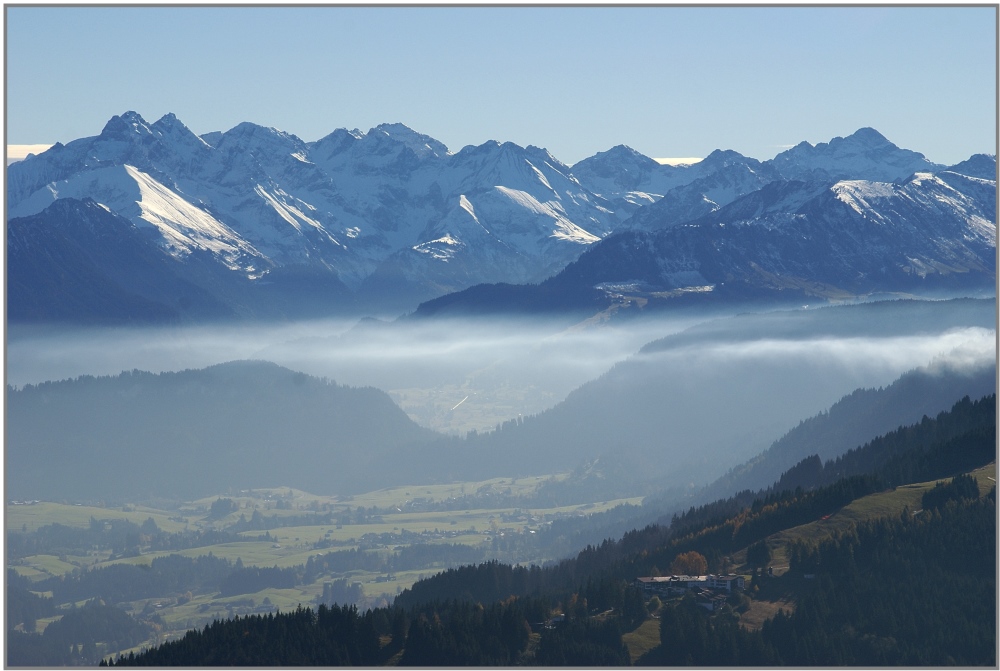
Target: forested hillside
(912,591)
(913,588)
(857,418)
(194,433)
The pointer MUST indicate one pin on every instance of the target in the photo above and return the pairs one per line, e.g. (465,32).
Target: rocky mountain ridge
(377,222)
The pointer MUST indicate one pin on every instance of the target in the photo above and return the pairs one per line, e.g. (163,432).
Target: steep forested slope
(855,419)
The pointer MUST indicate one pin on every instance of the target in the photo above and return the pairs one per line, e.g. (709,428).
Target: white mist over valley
(461,374)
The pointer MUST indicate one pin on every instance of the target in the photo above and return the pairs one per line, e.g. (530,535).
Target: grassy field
(643,639)
(882,504)
(397,496)
(764,609)
(294,545)
(29,517)
(40,567)
(396,525)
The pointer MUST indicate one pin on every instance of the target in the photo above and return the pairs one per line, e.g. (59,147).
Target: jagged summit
(422,145)
(168,120)
(129,123)
(725,157)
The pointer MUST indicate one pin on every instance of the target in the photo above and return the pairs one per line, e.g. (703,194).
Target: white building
(678,584)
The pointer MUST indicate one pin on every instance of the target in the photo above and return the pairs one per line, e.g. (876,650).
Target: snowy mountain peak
(622,151)
(721,158)
(169,128)
(421,145)
(247,130)
(620,167)
(170,124)
(545,155)
(983,166)
(866,136)
(211,138)
(336,142)
(865,154)
(168,120)
(130,124)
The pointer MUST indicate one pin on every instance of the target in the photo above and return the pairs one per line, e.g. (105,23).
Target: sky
(667,81)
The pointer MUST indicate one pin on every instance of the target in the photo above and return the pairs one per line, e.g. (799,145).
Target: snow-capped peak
(246,130)
(421,145)
(865,154)
(128,124)
(170,127)
(866,136)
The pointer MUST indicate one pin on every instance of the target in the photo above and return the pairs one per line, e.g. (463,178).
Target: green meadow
(882,504)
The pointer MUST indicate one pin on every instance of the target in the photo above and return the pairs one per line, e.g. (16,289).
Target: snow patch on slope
(289,213)
(541,177)
(442,249)
(184,226)
(564,228)
(466,205)
(859,194)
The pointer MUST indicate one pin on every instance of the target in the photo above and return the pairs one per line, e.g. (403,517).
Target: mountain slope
(856,419)
(725,176)
(629,179)
(195,433)
(854,237)
(77,261)
(983,166)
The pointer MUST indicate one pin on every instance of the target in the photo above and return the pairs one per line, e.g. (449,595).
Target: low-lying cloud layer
(459,375)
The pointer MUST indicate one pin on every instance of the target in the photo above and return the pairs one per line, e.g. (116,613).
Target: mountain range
(256,223)
(790,241)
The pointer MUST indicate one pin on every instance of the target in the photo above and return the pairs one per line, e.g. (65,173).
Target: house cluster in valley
(710,591)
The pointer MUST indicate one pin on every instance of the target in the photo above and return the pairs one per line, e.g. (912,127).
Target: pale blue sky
(667,81)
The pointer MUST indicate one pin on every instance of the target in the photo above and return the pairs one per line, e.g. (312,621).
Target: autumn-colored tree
(689,563)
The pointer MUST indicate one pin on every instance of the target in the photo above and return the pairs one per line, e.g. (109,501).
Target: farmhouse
(679,584)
